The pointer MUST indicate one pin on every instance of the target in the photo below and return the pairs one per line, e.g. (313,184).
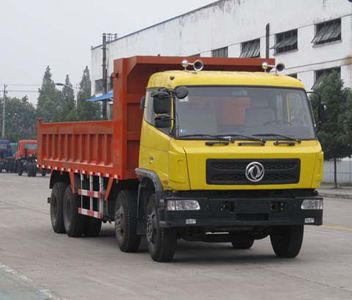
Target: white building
(310,37)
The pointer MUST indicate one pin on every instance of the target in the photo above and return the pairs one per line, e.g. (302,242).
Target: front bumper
(233,212)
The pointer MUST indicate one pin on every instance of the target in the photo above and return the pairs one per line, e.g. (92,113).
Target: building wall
(344,172)
(230,22)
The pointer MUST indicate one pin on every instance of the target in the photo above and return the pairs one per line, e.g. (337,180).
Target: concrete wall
(344,172)
(230,22)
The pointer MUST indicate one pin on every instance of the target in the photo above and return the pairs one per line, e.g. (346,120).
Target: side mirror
(181,92)
(161,102)
(142,103)
(320,108)
(163,121)
(322,112)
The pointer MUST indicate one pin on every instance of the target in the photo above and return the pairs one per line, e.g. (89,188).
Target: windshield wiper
(233,136)
(206,136)
(224,138)
(282,137)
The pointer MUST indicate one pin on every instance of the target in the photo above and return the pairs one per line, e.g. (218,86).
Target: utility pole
(267,40)
(3,112)
(105,77)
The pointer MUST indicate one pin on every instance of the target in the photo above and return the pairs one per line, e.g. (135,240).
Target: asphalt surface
(36,263)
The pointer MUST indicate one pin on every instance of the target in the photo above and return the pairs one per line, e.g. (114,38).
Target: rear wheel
(287,240)
(126,221)
(162,242)
(73,221)
(56,207)
(92,227)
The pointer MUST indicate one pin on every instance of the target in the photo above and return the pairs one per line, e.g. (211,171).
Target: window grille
(286,41)
(327,32)
(321,74)
(250,48)
(221,52)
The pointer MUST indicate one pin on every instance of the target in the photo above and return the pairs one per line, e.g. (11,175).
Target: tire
(287,240)
(73,222)
(34,170)
(126,221)
(243,243)
(92,227)
(29,170)
(19,169)
(56,207)
(43,173)
(162,242)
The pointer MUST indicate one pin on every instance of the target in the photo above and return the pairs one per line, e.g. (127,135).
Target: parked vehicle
(26,158)
(5,152)
(10,161)
(228,154)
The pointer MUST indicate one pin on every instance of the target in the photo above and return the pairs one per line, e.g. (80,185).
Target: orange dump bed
(111,148)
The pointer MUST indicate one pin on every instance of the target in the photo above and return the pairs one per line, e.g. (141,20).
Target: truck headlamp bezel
(182,205)
(312,204)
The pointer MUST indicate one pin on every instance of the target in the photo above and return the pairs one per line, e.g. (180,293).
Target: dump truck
(218,150)
(26,158)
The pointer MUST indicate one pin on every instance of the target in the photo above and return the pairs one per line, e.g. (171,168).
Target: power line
(24,91)
(23,84)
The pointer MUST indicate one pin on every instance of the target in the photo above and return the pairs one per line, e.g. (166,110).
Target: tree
(68,106)
(86,110)
(49,102)
(20,119)
(332,133)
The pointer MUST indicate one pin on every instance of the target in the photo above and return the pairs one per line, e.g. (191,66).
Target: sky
(39,33)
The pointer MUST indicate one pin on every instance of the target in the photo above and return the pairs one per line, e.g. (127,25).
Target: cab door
(154,143)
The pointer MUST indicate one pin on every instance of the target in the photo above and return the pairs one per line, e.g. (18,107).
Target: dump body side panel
(77,146)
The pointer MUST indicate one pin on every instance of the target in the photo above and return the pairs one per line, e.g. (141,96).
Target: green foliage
(68,105)
(20,119)
(86,110)
(49,103)
(346,117)
(331,133)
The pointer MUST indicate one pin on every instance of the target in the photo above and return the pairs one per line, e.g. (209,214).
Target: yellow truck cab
(233,157)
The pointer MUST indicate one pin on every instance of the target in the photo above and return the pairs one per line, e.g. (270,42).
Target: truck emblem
(255,171)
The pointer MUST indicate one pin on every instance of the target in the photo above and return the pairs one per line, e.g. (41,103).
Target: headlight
(183,205)
(312,204)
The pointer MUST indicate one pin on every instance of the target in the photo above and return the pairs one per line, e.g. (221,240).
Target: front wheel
(19,169)
(162,242)
(287,240)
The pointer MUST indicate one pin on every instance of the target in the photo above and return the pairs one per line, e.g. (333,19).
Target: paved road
(35,263)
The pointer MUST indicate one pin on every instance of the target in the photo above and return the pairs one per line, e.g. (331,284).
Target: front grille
(232,171)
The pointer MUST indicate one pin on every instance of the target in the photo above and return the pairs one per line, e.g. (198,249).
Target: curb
(331,195)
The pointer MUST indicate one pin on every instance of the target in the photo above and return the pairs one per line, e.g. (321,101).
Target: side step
(99,214)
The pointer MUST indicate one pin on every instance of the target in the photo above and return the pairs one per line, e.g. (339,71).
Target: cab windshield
(31,146)
(250,111)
